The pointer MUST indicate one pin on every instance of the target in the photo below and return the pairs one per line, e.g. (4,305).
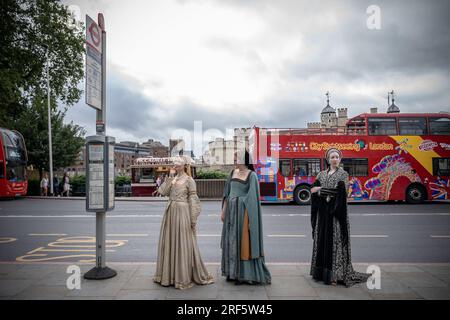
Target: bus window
(439,125)
(356,167)
(306,167)
(14,146)
(441,166)
(2,170)
(300,167)
(412,126)
(15,173)
(285,167)
(382,126)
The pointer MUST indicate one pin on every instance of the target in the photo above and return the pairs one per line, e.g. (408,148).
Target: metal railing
(210,188)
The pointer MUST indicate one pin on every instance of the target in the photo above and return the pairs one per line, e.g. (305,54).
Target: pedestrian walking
(66,184)
(55,186)
(44,185)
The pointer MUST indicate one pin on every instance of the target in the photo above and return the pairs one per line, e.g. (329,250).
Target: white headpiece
(184,160)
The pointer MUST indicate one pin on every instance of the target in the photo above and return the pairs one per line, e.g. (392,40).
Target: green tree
(31,31)
(67,138)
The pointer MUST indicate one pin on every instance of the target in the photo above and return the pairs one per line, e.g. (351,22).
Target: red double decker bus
(13,164)
(388,157)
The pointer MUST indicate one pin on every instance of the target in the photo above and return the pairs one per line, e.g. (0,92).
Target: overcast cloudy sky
(267,63)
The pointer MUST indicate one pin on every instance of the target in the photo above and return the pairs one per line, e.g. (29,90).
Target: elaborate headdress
(184,160)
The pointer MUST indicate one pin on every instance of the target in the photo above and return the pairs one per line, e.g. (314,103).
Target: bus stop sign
(100,173)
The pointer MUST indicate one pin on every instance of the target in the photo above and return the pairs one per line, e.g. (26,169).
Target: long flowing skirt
(252,271)
(331,258)
(179,261)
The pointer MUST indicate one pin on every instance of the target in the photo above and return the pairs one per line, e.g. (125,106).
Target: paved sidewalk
(289,281)
(147,199)
(164,199)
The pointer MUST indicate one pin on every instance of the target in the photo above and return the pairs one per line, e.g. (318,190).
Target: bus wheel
(415,194)
(302,195)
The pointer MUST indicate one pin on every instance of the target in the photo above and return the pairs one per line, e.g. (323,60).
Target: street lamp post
(50,153)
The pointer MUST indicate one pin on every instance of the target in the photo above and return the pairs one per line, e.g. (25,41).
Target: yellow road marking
(7,239)
(67,250)
(34,259)
(69,244)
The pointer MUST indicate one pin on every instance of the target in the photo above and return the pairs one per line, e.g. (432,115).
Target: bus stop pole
(50,151)
(101,271)
(100,118)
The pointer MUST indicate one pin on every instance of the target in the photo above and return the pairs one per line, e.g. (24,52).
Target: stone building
(331,120)
(125,153)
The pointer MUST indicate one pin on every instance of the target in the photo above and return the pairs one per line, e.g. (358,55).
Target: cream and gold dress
(179,262)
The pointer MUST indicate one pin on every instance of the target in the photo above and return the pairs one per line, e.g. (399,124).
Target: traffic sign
(93,64)
(93,34)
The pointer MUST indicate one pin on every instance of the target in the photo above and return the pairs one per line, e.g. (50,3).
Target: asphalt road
(40,230)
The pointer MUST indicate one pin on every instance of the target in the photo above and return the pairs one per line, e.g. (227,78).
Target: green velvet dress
(242,235)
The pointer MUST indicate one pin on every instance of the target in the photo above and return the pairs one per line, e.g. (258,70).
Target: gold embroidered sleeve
(194,201)
(164,189)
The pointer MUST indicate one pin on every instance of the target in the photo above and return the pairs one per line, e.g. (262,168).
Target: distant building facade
(125,153)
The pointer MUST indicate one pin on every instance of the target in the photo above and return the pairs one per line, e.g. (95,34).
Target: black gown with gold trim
(331,257)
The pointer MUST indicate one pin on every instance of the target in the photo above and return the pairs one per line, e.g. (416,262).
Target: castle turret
(328,115)
(392,108)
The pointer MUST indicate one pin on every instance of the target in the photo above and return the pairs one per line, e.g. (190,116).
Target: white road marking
(439,236)
(218,235)
(84,216)
(302,235)
(367,214)
(48,216)
(160,215)
(286,235)
(403,214)
(369,236)
(47,234)
(127,235)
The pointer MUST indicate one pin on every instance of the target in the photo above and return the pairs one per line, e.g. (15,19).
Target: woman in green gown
(242,234)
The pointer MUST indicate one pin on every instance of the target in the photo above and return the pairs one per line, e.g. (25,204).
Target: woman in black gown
(331,257)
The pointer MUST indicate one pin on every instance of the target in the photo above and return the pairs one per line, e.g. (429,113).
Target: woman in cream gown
(179,262)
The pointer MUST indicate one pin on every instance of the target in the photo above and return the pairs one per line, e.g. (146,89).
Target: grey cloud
(413,43)
(413,39)
(129,109)
(414,35)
